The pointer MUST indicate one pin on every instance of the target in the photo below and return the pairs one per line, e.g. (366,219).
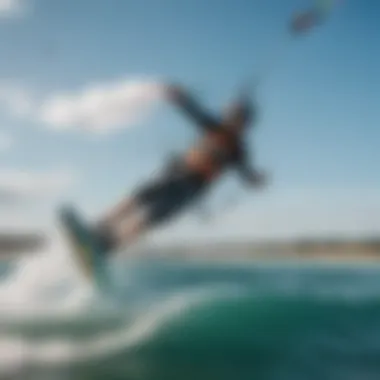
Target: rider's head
(240,114)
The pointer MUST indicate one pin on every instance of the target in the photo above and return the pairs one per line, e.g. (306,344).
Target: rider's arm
(191,108)
(250,174)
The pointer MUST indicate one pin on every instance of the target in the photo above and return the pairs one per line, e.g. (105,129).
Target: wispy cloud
(101,107)
(28,199)
(26,185)
(6,141)
(16,99)
(12,7)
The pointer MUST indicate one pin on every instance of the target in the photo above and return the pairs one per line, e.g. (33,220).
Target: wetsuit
(189,176)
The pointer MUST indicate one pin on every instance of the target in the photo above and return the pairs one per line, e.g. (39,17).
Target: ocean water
(177,319)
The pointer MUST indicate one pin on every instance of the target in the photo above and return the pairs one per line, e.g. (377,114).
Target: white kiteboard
(91,259)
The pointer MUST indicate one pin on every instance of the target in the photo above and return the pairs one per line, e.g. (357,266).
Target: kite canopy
(303,21)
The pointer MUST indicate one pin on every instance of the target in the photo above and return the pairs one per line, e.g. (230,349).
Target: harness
(212,154)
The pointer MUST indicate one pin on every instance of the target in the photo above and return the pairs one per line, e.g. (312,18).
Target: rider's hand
(259,180)
(174,92)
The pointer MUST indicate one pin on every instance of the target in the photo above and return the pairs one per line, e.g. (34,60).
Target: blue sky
(319,127)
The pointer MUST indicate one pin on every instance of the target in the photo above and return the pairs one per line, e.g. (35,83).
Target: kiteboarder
(185,178)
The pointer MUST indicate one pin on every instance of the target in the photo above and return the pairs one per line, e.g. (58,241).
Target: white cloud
(11,7)
(6,141)
(102,107)
(97,108)
(19,184)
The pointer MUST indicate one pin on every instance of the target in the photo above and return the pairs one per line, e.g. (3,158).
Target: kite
(304,21)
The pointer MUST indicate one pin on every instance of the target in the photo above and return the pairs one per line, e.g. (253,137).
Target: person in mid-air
(186,178)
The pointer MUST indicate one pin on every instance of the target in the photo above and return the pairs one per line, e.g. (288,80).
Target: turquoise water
(172,319)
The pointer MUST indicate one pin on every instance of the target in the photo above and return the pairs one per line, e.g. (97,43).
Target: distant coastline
(309,248)
(12,244)
(337,249)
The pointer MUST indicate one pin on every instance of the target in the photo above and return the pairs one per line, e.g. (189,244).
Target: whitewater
(184,319)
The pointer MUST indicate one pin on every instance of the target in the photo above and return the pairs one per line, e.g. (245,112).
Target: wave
(45,282)
(63,352)
(208,319)
(224,323)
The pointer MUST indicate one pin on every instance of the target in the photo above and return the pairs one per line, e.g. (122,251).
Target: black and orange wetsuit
(186,180)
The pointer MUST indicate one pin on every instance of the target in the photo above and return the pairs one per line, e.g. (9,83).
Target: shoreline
(20,244)
(328,250)
(318,249)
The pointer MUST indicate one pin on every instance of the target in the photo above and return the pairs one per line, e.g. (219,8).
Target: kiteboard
(91,259)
